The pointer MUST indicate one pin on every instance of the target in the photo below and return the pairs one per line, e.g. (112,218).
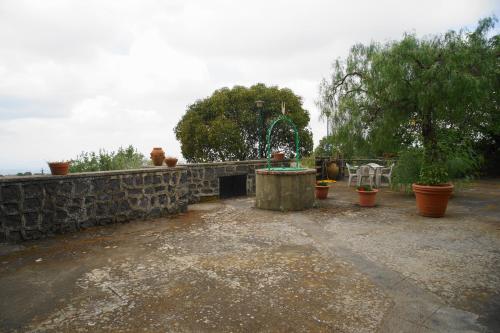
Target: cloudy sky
(82,75)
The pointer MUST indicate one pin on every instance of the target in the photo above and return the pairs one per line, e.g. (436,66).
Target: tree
(225,126)
(438,93)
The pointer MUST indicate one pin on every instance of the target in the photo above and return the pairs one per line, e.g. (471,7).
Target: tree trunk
(431,154)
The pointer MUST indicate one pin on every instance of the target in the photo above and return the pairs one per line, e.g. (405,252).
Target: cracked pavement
(228,267)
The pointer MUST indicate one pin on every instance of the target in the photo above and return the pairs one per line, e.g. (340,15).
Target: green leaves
(225,126)
(124,158)
(418,92)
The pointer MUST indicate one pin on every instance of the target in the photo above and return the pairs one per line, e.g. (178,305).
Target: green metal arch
(268,139)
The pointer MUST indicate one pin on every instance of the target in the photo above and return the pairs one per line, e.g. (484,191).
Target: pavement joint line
(116,293)
(399,281)
(432,314)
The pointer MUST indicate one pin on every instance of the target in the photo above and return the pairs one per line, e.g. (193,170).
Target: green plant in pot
(322,190)
(433,189)
(436,95)
(367,195)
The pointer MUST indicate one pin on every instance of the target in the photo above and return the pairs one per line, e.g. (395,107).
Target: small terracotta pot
(278,156)
(367,198)
(157,156)
(59,168)
(322,192)
(432,200)
(171,161)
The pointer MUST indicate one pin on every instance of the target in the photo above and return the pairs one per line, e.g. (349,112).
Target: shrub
(124,158)
(365,188)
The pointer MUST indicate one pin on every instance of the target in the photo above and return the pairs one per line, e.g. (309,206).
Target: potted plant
(367,195)
(171,161)
(432,191)
(59,168)
(322,190)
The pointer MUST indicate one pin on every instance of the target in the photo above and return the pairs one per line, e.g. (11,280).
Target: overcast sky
(82,75)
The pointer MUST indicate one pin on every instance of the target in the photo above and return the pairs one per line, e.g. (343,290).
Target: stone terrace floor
(228,267)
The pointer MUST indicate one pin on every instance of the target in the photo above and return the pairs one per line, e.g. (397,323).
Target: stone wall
(37,206)
(34,207)
(203,178)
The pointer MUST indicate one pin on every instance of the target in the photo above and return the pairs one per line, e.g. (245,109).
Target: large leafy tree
(438,93)
(225,126)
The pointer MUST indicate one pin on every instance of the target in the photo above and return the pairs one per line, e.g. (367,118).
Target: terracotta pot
(432,200)
(367,198)
(171,161)
(332,170)
(278,156)
(158,156)
(321,192)
(59,168)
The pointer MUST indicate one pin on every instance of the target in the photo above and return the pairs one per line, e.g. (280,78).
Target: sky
(83,75)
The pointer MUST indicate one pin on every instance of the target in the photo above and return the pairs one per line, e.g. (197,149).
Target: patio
(227,267)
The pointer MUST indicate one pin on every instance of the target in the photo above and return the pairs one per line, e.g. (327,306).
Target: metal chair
(365,171)
(352,171)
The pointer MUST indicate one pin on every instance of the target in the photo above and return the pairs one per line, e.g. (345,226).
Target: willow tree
(439,93)
(225,125)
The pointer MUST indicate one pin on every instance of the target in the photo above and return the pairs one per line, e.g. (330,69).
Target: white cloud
(84,75)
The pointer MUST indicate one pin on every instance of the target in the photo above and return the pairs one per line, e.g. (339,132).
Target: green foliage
(309,161)
(365,188)
(407,169)
(438,93)
(327,147)
(225,126)
(124,158)
(322,183)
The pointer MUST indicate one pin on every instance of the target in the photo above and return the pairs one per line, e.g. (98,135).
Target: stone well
(284,189)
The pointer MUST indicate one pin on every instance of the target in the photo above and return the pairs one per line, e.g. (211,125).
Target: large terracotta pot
(171,161)
(321,192)
(59,168)
(278,156)
(157,156)
(367,198)
(332,170)
(432,200)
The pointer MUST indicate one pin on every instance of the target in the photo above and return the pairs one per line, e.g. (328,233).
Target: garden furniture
(352,171)
(387,173)
(365,171)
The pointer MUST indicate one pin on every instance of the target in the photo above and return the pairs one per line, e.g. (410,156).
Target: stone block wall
(34,207)
(203,178)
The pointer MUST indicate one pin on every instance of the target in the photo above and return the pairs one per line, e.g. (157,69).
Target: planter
(157,156)
(322,192)
(432,200)
(332,170)
(171,161)
(278,156)
(59,168)
(367,198)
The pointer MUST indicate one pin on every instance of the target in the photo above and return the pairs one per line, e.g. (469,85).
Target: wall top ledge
(96,174)
(244,162)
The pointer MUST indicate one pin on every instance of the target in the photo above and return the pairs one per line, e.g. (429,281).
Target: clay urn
(157,156)
(332,170)
(278,156)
